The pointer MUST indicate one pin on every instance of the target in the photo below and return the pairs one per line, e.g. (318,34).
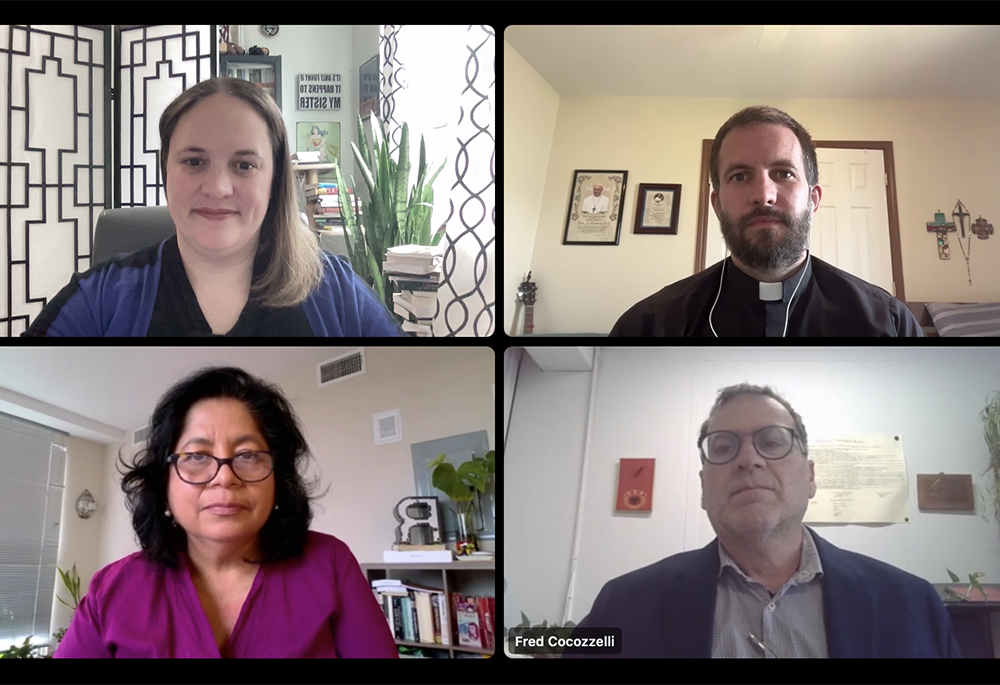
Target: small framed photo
(657,208)
(595,208)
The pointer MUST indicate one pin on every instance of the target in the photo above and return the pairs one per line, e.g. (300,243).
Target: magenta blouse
(316,605)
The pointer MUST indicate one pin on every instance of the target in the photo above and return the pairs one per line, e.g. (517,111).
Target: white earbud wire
(787,309)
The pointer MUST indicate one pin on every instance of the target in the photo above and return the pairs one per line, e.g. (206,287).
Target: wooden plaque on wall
(945,493)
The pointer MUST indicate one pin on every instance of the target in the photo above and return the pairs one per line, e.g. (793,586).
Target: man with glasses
(768,586)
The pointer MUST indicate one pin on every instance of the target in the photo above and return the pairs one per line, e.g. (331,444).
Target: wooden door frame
(704,203)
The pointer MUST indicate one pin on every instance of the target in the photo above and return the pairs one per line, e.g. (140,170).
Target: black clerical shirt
(828,302)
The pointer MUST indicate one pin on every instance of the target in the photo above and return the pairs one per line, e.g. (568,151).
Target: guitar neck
(529,319)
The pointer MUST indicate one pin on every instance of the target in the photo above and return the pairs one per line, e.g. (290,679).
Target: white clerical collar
(771,291)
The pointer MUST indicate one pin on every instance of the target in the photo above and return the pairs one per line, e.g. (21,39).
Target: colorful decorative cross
(942,228)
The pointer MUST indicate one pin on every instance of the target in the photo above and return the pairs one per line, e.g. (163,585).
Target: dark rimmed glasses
(772,442)
(198,468)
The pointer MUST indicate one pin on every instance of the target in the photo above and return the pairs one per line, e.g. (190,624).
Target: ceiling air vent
(342,367)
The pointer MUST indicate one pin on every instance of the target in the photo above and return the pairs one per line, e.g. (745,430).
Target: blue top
(147,293)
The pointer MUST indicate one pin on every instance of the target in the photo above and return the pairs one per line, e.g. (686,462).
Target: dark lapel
(848,604)
(690,613)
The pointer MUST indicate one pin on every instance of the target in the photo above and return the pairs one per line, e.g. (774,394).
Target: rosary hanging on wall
(982,229)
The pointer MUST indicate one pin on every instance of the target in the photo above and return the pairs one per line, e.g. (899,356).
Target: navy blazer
(871,609)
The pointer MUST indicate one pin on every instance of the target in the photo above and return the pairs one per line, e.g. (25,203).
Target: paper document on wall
(861,479)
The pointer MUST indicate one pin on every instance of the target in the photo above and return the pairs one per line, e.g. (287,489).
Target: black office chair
(122,231)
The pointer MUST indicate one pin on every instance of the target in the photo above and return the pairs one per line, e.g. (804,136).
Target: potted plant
(460,485)
(71,580)
(389,217)
(25,651)
(973,583)
(991,432)
(489,464)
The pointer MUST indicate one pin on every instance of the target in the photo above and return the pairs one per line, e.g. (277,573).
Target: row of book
(417,613)
(325,200)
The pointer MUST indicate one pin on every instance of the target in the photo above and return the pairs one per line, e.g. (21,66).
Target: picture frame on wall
(368,88)
(594,216)
(322,137)
(657,207)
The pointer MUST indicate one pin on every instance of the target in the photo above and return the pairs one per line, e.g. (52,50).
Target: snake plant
(390,217)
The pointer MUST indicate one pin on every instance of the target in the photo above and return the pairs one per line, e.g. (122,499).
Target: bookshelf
(464,577)
(262,70)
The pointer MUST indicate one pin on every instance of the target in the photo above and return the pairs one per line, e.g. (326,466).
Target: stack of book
(416,613)
(416,272)
(325,199)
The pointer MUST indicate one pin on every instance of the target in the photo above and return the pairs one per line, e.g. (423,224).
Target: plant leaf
(954,578)
(401,181)
(473,473)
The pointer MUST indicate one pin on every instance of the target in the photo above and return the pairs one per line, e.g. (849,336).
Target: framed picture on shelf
(595,208)
(657,207)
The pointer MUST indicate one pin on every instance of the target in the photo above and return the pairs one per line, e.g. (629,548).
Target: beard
(767,249)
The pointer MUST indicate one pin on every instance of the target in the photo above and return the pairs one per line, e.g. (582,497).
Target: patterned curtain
(440,80)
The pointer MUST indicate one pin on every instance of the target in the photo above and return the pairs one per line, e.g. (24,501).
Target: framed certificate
(657,208)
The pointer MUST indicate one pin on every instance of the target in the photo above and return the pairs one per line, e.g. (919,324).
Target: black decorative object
(418,513)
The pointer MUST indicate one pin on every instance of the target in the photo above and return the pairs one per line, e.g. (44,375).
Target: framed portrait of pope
(595,208)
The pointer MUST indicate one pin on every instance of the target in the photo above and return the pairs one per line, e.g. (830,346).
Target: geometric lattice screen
(158,63)
(62,161)
(54,147)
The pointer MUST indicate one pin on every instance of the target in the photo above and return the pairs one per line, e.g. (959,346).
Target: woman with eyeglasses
(228,566)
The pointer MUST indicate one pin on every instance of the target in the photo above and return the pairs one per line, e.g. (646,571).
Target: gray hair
(732,391)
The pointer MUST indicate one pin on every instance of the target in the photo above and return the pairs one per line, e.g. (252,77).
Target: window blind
(32,479)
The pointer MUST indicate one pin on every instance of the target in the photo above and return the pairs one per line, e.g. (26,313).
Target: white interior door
(851,229)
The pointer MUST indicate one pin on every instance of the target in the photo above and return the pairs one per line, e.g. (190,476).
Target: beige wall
(529,119)
(79,539)
(944,151)
(439,392)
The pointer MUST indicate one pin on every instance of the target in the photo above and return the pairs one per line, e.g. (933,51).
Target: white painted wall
(649,403)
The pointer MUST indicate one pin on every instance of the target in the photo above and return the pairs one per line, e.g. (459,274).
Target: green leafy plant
(390,217)
(991,433)
(25,651)
(564,631)
(973,583)
(71,580)
(458,483)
